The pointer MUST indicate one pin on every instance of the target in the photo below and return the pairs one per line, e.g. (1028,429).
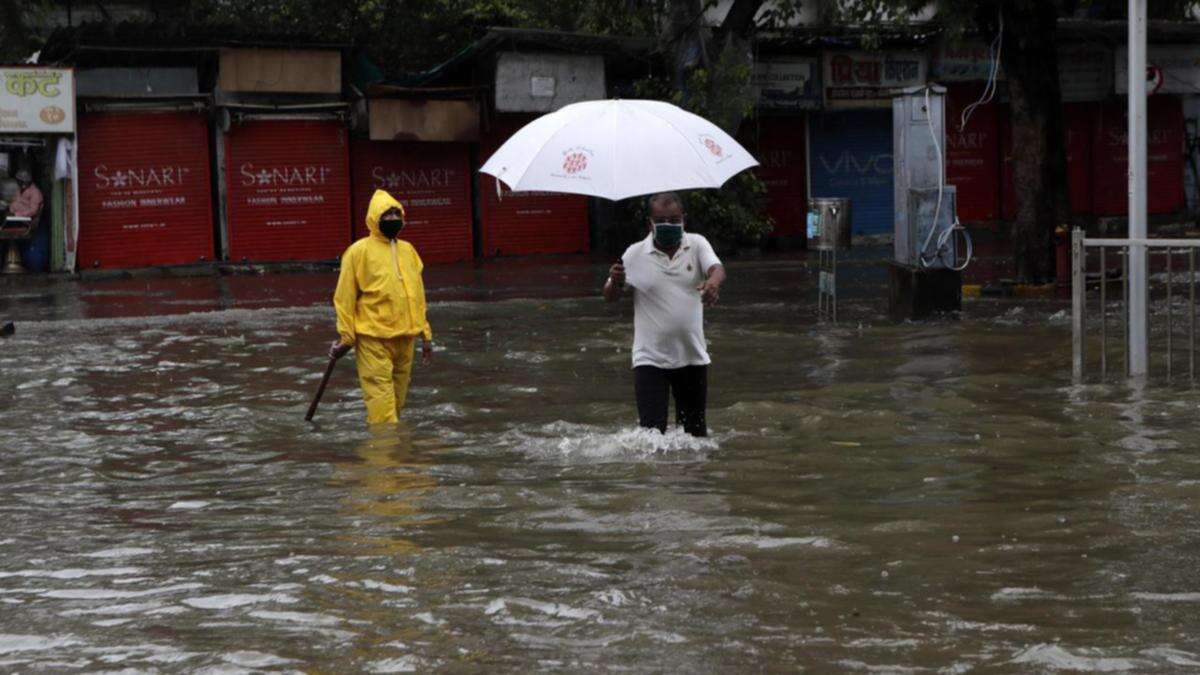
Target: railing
(1082,279)
(827,284)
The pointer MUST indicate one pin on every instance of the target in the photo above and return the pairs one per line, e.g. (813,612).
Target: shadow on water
(933,496)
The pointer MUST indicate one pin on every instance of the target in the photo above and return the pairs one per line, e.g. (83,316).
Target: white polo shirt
(668,313)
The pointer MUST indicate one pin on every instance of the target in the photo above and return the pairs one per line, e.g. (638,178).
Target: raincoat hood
(381,203)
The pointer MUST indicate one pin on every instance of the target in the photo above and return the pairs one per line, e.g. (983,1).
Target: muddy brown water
(931,497)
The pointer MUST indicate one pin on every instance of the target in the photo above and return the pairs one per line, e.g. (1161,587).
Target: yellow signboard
(37,100)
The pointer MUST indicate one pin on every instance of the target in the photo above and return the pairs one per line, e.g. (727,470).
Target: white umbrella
(617,149)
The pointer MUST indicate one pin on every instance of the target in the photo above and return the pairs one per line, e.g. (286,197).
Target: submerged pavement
(933,496)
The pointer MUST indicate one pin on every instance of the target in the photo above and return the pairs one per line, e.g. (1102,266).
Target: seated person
(28,202)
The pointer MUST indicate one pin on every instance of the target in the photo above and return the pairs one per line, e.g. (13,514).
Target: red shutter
(973,153)
(1164,160)
(522,223)
(432,180)
(144,190)
(288,190)
(1079,122)
(779,146)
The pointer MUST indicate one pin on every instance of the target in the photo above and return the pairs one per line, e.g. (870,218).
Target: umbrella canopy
(617,149)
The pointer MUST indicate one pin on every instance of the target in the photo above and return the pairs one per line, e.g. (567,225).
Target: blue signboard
(850,155)
(793,84)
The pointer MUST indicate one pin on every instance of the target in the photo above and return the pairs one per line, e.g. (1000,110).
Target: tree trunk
(1039,159)
(724,52)
(686,36)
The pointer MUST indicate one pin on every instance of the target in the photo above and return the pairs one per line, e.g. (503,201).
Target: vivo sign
(847,165)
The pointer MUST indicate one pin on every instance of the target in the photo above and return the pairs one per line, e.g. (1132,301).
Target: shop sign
(868,79)
(969,62)
(1084,72)
(794,84)
(37,100)
(1170,69)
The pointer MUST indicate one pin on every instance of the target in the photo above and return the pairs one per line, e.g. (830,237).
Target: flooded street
(875,497)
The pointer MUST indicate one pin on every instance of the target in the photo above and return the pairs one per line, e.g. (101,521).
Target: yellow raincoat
(380,303)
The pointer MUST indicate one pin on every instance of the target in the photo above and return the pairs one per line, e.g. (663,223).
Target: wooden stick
(312,408)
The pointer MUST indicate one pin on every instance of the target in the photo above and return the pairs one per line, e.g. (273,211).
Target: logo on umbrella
(575,162)
(712,146)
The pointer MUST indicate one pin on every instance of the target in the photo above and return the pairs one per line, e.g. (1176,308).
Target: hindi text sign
(37,100)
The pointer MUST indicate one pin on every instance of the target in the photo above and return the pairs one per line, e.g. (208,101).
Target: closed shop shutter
(973,153)
(851,156)
(288,190)
(1164,157)
(144,190)
(1079,125)
(432,180)
(522,223)
(779,146)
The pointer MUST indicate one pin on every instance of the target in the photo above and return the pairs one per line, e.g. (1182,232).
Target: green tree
(1030,61)
(18,18)
(401,36)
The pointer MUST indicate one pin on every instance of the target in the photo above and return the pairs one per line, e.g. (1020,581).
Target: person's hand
(427,352)
(337,350)
(617,274)
(710,292)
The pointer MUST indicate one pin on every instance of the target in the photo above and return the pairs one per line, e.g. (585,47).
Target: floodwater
(874,497)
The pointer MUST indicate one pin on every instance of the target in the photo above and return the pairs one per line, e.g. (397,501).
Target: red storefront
(288,183)
(1079,122)
(1164,157)
(144,189)
(973,153)
(779,145)
(432,180)
(522,223)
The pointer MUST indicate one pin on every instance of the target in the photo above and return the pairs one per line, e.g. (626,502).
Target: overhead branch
(739,22)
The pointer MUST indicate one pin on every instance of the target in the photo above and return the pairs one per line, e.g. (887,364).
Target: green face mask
(668,235)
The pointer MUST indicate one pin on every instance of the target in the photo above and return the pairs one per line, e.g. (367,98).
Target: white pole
(1139,352)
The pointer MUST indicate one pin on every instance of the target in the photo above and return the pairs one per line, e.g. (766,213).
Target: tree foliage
(1027,30)
(18,39)
(733,215)
(709,66)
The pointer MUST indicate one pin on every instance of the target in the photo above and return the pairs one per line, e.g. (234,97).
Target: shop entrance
(24,183)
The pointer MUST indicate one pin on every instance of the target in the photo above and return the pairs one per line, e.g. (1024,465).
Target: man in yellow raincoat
(380,303)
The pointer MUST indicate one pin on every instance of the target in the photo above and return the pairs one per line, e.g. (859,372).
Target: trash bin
(828,223)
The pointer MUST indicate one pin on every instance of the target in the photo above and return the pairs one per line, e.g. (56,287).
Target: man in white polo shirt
(671,274)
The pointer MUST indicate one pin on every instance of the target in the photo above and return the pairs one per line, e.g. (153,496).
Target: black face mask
(390,228)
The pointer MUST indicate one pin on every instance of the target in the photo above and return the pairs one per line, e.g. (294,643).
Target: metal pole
(1103,313)
(1078,266)
(833,281)
(1192,313)
(1139,351)
(222,194)
(1170,317)
(1125,307)
(822,301)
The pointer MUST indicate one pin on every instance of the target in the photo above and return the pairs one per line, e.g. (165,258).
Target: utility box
(919,161)
(924,279)
(828,223)
(930,222)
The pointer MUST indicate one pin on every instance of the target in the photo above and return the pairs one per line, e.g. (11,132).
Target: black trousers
(653,387)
